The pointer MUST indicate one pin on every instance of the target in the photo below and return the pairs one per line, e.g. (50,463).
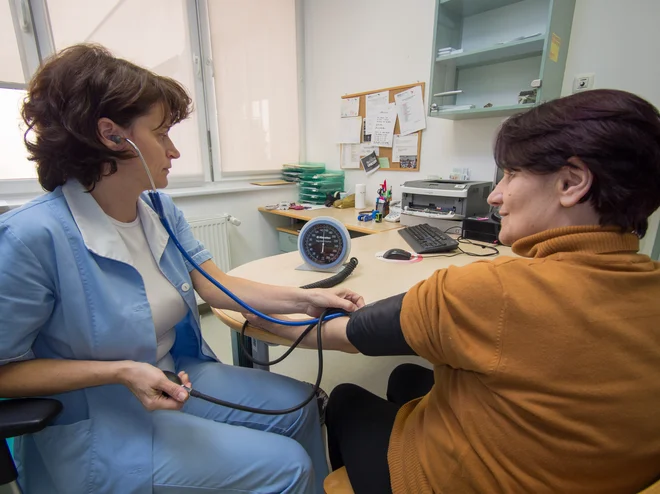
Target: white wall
(361,45)
(344,54)
(256,237)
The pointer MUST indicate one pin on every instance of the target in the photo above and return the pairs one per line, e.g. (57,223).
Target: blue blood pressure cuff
(375,329)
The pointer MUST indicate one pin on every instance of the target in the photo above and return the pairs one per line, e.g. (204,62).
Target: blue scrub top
(69,291)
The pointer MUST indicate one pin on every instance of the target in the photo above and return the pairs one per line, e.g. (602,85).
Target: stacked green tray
(315,187)
(291,172)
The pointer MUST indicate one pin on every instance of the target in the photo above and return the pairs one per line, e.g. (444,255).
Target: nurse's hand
(148,383)
(319,299)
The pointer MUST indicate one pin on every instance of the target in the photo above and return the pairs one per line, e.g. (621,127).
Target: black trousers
(360,423)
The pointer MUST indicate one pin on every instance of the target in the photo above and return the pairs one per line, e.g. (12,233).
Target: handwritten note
(350,107)
(384,127)
(404,146)
(375,102)
(410,107)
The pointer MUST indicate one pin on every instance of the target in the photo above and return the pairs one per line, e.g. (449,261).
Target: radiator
(212,232)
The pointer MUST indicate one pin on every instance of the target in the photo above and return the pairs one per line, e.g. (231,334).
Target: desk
(367,279)
(347,216)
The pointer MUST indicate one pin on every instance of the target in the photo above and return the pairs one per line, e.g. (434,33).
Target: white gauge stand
(307,267)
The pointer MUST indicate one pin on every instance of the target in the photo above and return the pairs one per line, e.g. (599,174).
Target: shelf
(290,231)
(498,53)
(466,8)
(493,111)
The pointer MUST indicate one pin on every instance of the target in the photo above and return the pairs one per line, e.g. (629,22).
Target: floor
(369,372)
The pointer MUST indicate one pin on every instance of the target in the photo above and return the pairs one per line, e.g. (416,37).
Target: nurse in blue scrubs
(95,301)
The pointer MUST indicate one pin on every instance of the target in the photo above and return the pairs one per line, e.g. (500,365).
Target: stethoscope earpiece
(115,139)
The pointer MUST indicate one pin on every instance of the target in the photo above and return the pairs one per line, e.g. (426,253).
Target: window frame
(36,43)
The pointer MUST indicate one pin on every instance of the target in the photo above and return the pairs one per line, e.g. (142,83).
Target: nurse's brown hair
(70,93)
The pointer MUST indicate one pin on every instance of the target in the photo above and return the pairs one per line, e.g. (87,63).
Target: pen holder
(383,206)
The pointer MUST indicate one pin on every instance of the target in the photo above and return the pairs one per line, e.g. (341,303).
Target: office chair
(17,417)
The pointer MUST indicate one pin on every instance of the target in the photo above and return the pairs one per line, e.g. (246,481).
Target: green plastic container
(292,172)
(313,198)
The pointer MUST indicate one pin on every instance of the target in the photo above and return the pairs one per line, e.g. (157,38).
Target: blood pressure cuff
(375,329)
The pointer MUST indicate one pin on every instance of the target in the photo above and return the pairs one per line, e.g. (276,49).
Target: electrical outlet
(583,82)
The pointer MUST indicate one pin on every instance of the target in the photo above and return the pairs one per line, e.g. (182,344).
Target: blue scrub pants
(206,448)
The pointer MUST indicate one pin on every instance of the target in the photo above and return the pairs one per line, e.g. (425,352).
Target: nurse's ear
(110,134)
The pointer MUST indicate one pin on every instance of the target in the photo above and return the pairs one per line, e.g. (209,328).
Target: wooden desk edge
(296,215)
(287,213)
(251,331)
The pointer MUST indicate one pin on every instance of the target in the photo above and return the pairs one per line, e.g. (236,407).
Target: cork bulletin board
(386,152)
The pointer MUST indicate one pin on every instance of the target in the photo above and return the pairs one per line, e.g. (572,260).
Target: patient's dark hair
(71,92)
(615,133)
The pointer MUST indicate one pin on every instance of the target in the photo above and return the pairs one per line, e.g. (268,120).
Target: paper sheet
(384,162)
(384,126)
(350,107)
(404,145)
(368,148)
(374,103)
(350,156)
(370,163)
(350,129)
(410,107)
(554,47)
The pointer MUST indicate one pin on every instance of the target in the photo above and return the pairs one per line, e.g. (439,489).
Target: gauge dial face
(323,243)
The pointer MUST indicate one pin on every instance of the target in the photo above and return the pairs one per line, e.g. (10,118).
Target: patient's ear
(575,181)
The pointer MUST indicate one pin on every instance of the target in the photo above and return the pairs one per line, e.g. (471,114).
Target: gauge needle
(323,243)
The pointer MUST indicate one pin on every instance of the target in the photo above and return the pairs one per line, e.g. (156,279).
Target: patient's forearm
(372,330)
(334,337)
(43,377)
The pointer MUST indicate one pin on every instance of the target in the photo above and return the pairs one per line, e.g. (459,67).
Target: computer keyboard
(427,239)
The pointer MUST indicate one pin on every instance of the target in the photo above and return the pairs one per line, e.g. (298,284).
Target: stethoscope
(327,315)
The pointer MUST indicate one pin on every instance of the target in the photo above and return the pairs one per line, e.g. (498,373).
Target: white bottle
(360,196)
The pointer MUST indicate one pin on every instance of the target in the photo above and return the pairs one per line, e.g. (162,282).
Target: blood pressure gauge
(324,244)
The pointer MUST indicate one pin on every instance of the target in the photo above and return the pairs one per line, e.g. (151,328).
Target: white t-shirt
(167,305)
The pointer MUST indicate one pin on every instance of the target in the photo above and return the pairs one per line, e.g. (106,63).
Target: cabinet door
(489,53)
(556,49)
(287,242)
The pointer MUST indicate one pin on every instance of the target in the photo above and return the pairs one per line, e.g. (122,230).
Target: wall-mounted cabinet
(497,57)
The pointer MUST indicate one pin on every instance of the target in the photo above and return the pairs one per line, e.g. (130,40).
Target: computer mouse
(398,254)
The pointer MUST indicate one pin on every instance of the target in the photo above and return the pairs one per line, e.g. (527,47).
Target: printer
(443,203)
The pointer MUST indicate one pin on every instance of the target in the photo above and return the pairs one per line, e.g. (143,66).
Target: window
(152,33)
(13,159)
(256,83)
(244,82)
(13,67)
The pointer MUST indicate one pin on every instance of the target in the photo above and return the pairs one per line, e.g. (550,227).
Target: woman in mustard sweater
(545,366)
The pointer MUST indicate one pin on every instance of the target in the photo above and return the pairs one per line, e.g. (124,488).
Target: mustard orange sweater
(547,371)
